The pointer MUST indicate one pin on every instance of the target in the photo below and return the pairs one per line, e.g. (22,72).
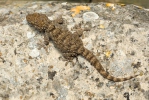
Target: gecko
(68,43)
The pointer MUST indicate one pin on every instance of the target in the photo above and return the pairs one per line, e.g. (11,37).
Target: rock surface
(118,35)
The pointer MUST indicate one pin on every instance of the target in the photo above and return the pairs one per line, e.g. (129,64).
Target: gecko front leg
(46,38)
(79,32)
(47,33)
(60,20)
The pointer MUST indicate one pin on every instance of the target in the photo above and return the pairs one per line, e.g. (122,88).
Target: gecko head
(39,21)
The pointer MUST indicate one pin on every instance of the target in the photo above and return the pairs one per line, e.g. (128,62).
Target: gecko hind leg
(69,57)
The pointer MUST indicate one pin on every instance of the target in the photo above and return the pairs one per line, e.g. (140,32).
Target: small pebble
(30,35)
(4,11)
(34,6)
(34,53)
(90,16)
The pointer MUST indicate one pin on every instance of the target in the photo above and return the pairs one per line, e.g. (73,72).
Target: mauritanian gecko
(69,44)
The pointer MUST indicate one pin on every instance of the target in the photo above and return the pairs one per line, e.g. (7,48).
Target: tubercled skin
(69,44)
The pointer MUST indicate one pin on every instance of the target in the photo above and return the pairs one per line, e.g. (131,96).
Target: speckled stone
(30,70)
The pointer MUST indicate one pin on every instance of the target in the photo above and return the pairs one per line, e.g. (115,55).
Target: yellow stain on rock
(77,9)
(108,54)
(101,26)
(110,5)
(122,4)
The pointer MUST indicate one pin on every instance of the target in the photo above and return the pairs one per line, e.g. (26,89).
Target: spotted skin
(69,44)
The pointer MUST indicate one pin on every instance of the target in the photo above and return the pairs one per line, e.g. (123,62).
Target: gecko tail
(109,77)
(95,62)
